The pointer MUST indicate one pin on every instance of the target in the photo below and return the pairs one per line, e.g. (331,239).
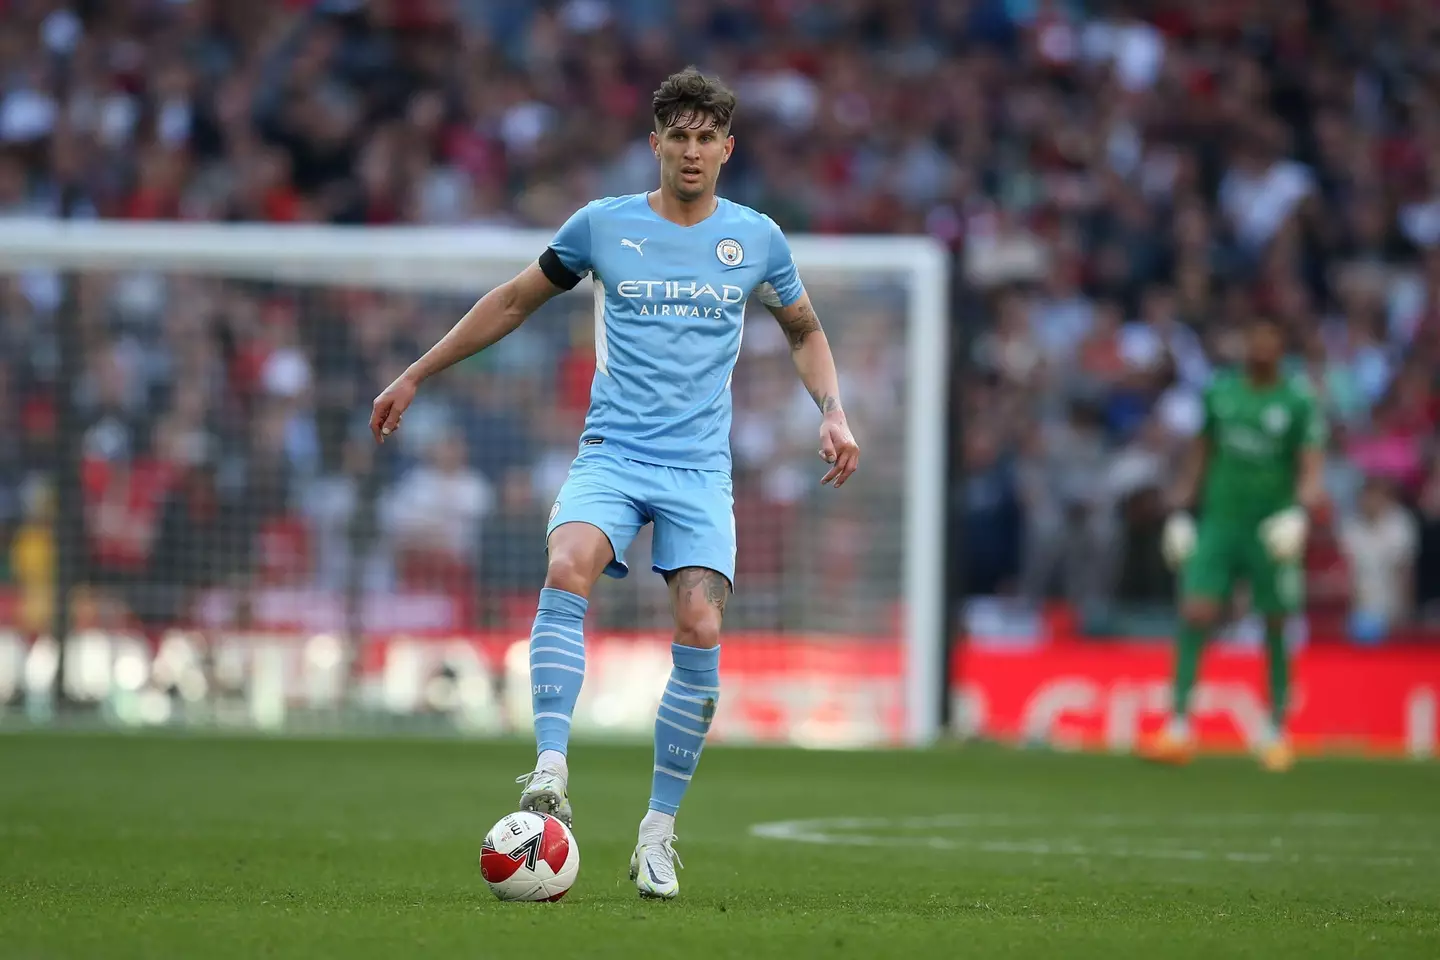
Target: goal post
(868,290)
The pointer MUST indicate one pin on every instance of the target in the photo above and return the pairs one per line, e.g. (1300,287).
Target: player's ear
(655,144)
(729,148)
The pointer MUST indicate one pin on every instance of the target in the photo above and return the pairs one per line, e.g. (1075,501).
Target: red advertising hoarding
(1104,695)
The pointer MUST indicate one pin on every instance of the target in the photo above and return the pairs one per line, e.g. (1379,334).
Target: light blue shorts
(693,510)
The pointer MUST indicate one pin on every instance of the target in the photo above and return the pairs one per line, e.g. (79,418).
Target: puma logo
(633,245)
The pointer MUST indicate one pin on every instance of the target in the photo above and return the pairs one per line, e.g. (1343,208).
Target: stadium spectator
(433,515)
(32,559)
(194,546)
(512,553)
(990,510)
(1427,581)
(1069,514)
(1379,544)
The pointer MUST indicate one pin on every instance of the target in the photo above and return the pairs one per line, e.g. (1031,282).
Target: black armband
(556,272)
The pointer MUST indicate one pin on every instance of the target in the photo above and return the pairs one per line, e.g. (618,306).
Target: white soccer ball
(529,856)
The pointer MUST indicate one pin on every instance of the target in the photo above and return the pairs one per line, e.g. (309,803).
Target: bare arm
(810,350)
(1187,485)
(493,316)
(1310,487)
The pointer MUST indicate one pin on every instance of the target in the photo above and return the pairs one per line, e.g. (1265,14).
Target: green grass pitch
(120,847)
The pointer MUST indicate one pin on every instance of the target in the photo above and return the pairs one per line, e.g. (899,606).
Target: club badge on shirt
(729,252)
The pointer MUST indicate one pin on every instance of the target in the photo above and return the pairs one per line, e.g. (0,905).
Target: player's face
(691,152)
(1264,346)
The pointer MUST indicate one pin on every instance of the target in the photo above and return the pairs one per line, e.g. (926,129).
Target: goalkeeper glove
(1283,534)
(1177,541)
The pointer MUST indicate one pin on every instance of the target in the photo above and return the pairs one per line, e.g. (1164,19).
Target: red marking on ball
(497,867)
(554,845)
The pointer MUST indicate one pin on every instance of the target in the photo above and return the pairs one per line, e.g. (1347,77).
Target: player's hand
(838,448)
(1177,541)
(1284,533)
(391,405)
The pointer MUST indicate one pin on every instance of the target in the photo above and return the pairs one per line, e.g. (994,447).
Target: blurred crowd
(1161,173)
(1122,182)
(227,462)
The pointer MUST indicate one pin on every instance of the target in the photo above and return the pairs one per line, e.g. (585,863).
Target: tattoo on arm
(824,401)
(799,326)
(712,586)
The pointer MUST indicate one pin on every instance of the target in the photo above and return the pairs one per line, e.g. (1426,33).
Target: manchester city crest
(729,252)
(1276,419)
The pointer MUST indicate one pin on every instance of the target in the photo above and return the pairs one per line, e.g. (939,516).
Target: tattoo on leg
(717,591)
(714,587)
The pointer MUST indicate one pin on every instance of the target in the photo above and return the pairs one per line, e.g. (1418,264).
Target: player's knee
(579,553)
(698,596)
(1200,612)
(701,629)
(568,570)
(564,573)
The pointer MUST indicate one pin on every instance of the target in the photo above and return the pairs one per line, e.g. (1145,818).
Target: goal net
(249,557)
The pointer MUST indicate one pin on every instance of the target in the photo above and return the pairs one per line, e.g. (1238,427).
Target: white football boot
(652,867)
(546,791)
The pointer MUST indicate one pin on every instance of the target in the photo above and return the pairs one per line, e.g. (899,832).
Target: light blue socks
(686,710)
(557,666)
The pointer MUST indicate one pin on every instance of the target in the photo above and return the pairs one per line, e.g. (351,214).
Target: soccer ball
(529,856)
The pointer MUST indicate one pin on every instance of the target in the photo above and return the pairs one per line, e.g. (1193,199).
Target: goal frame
(462,259)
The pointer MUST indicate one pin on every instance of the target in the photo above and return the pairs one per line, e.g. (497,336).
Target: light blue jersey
(669,307)
(669,310)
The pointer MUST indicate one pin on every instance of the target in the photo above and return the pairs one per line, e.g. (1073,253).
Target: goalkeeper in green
(1257,464)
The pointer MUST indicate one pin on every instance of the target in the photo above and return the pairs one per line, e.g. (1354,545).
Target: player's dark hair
(687,97)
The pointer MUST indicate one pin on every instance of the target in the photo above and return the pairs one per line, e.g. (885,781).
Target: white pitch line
(833,832)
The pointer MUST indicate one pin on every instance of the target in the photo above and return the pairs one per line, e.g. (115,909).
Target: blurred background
(1120,185)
